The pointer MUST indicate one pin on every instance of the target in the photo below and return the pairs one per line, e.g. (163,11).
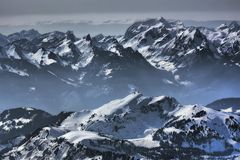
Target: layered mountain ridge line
(156,36)
(155,56)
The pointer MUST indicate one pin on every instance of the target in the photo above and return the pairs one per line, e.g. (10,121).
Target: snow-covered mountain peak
(114,107)
(118,105)
(119,116)
(137,126)
(142,26)
(171,46)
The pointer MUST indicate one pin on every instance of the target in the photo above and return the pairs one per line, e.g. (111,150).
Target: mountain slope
(137,127)
(16,124)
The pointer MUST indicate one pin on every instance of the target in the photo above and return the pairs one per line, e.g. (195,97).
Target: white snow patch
(22,120)
(40,58)
(28,108)
(11,53)
(108,71)
(94,158)
(10,124)
(63,49)
(237,111)
(105,71)
(45,40)
(171,130)
(227,110)
(77,136)
(156,99)
(113,106)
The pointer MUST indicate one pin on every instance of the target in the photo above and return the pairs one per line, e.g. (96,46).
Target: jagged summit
(88,37)
(71,36)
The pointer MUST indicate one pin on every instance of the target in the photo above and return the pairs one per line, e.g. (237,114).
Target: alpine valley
(58,72)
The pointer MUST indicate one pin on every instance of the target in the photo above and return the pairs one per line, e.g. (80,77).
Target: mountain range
(133,127)
(61,75)
(155,56)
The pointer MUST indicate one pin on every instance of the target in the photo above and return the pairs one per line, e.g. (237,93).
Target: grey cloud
(19,7)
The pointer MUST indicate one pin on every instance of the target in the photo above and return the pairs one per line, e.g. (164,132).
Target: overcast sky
(181,9)
(13,7)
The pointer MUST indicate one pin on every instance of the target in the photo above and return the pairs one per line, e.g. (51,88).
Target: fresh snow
(155,99)
(115,105)
(77,136)
(171,130)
